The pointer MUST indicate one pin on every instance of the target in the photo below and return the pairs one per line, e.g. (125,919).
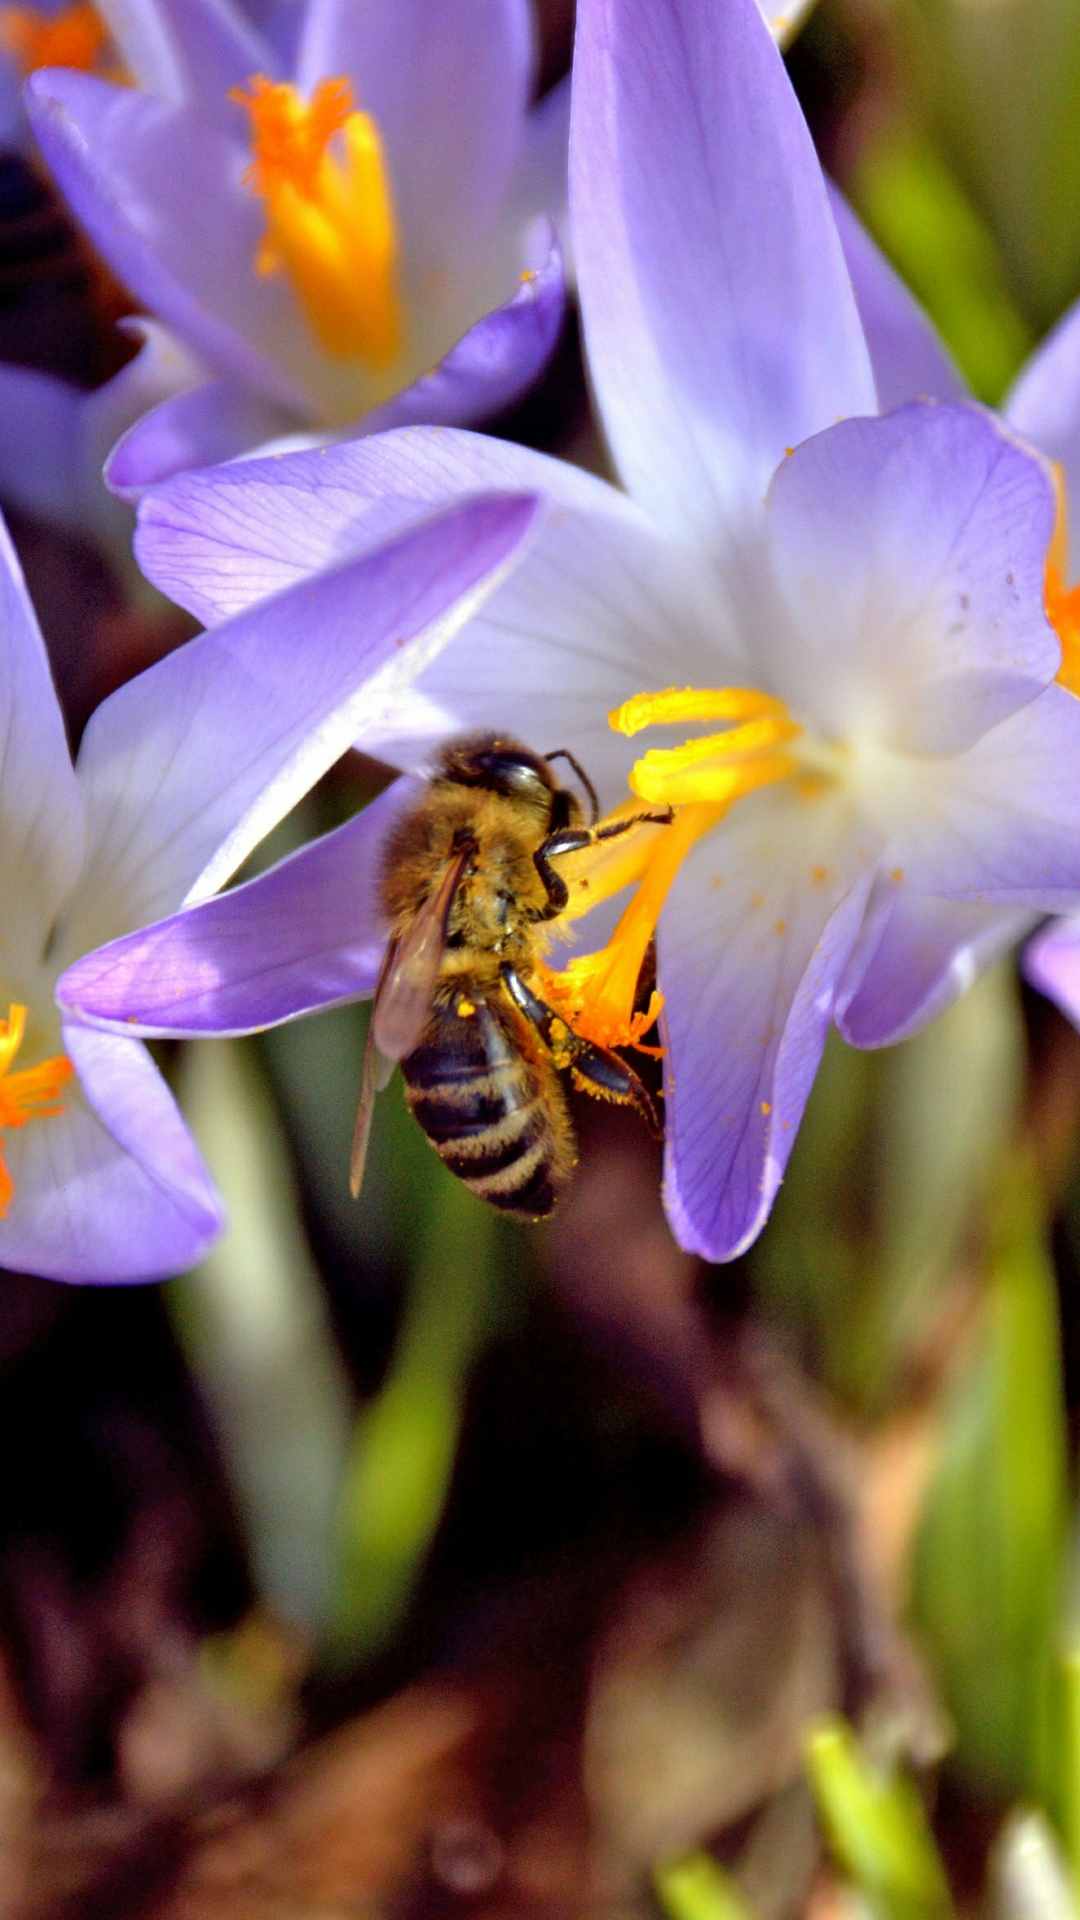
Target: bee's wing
(401,1006)
(403,996)
(374,1075)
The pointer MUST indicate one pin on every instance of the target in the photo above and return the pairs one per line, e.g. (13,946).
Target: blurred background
(404,1562)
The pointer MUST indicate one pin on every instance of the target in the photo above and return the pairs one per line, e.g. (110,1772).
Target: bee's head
(499,764)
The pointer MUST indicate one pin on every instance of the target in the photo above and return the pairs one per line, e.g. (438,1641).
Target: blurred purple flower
(180,773)
(353,240)
(883,776)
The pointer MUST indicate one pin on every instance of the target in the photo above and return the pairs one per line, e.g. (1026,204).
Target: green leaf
(695,1888)
(918,211)
(990,1554)
(876,1827)
(405,1441)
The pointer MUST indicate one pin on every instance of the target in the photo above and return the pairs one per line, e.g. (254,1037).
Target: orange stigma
(32,1094)
(1062,602)
(74,37)
(700,781)
(329,215)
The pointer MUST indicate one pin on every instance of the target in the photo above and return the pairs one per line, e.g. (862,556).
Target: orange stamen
(31,1094)
(1062,602)
(75,37)
(329,216)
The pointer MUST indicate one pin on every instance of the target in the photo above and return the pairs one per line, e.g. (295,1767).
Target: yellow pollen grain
(766,1108)
(319,168)
(74,37)
(896,876)
(779,926)
(757,900)
(465,1009)
(819,875)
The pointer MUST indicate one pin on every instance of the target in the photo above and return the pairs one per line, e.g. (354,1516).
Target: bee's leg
(573,840)
(564,753)
(597,1068)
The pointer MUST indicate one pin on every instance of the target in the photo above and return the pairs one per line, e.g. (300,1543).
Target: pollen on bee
(465,1009)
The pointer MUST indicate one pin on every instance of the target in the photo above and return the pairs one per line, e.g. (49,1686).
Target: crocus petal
(113,1188)
(215,421)
(188,50)
(307,934)
(42,823)
(597,607)
(752,944)
(1044,405)
(926,954)
(40,465)
(911,552)
(910,361)
(540,185)
(718,314)
(493,364)
(51,466)
(160,194)
(448,86)
(220,541)
(1052,964)
(188,766)
(998,823)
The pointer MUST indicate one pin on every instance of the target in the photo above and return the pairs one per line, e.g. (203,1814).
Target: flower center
(1062,602)
(701,780)
(329,216)
(31,1094)
(74,37)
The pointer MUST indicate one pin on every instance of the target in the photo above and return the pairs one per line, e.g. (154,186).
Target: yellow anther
(329,215)
(677,704)
(701,780)
(29,1095)
(74,37)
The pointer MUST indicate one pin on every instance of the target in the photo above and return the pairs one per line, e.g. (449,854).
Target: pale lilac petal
(189,50)
(911,553)
(752,944)
(112,1189)
(213,422)
(1044,405)
(910,361)
(221,541)
(598,606)
(160,192)
(42,823)
(1052,964)
(493,364)
(540,185)
(305,935)
(998,824)
(188,766)
(449,86)
(926,954)
(719,318)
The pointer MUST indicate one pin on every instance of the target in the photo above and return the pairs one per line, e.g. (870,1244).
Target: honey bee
(468,883)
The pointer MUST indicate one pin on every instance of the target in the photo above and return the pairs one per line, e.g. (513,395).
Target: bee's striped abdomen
(494,1112)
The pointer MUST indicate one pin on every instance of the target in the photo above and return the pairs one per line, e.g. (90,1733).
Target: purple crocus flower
(875,773)
(345,237)
(1044,405)
(180,773)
